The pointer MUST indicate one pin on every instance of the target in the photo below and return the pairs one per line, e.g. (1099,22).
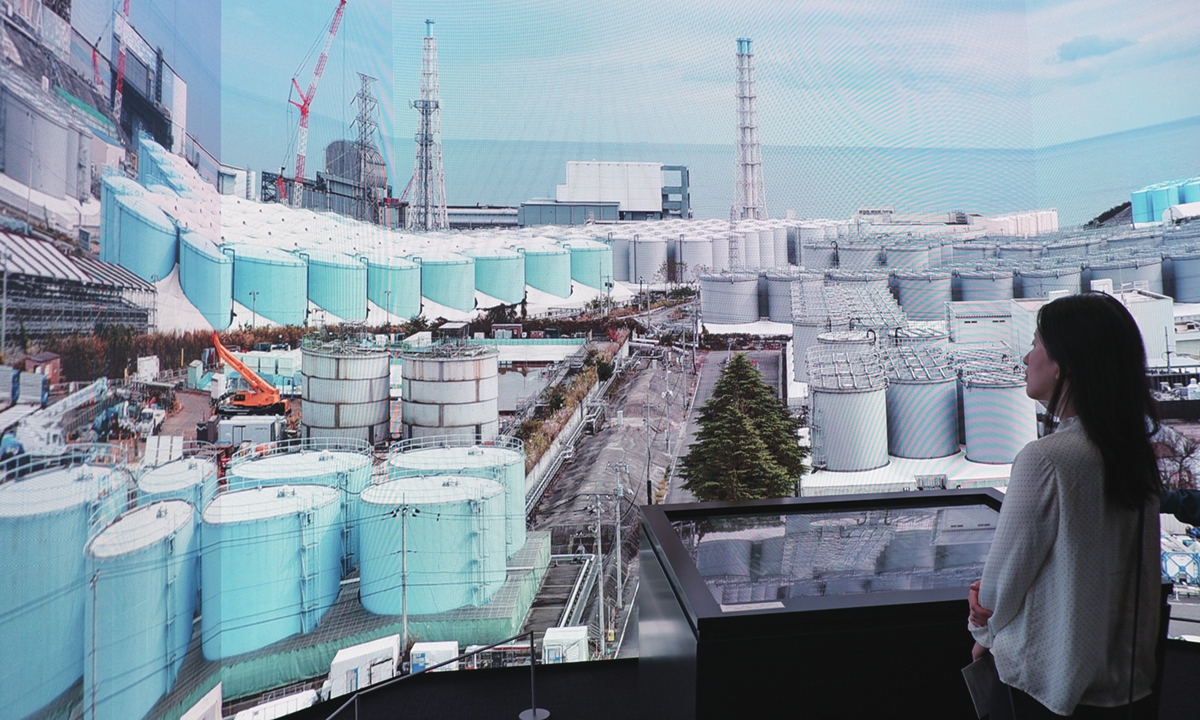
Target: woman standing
(1075,557)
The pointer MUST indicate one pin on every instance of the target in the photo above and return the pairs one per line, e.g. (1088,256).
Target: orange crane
(261,399)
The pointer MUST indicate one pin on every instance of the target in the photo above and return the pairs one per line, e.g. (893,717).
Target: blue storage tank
(142,571)
(337,283)
(44,520)
(447,279)
(1189,190)
(548,268)
(270,565)
(394,284)
(142,238)
(592,262)
(279,279)
(206,276)
(341,464)
(502,459)
(1162,196)
(499,272)
(452,535)
(1141,206)
(112,187)
(183,479)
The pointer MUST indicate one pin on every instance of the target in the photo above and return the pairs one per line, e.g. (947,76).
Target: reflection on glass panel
(758,559)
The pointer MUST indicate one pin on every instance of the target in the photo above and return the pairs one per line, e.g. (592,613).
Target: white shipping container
(427,654)
(207,707)
(279,708)
(361,665)
(147,368)
(565,644)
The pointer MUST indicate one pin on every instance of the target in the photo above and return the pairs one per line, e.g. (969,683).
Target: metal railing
(285,447)
(349,708)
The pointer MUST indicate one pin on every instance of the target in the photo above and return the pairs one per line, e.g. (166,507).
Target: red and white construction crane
(119,89)
(306,97)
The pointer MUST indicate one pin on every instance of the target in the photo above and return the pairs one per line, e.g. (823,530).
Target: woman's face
(1041,373)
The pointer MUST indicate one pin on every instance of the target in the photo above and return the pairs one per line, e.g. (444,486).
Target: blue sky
(911,73)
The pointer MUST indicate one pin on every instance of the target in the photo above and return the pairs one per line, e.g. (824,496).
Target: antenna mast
(750,194)
(428,184)
(370,161)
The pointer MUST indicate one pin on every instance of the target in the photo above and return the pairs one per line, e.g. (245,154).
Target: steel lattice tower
(368,107)
(426,192)
(750,193)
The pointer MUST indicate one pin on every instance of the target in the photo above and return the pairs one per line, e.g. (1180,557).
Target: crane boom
(262,396)
(306,97)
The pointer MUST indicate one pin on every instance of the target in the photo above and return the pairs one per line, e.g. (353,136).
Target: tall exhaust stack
(426,192)
(750,195)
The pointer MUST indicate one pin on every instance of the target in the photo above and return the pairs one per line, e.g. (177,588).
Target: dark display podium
(840,607)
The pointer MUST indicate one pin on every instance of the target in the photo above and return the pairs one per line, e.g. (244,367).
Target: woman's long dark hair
(1102,369)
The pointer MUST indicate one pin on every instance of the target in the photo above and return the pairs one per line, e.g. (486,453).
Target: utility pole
(253,308)
(620,469)
(600,580)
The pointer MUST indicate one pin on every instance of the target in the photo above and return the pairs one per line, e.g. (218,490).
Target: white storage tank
(923,294)
(913,257)
(747,240)
(985,285)
(972,252)
(694,257)
(1039,283)
(1136,272)
(779,291)
(998,417)
(451,530)
(780,234)
(921,333)
(647,259)
(849,411)
(729,298)
(858,278)
(1187,276)
(501,459)
(865,256)
(142,581)
(451,390)
(922,403)
(345,389)
(1019,251)
(766,248)
(271,565)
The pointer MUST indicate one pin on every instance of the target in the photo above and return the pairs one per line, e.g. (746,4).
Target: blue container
(592,262)
(206,276)
(270,566)
(279,279)
(142,571)
(448,279)
(394,284)
(143,239)
(452,533)
(548,268)
(337,283)
(44,522)
(1189,191)
(500,273)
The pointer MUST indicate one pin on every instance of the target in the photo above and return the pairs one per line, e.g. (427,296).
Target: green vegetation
(746,448)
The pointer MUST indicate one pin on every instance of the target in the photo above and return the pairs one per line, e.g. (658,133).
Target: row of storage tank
(871,400)
(745,297)
(106,569)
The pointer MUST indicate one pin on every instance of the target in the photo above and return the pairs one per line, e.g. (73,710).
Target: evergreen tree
(746,448)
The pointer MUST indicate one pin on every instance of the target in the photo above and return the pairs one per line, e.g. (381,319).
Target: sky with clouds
(870,73)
